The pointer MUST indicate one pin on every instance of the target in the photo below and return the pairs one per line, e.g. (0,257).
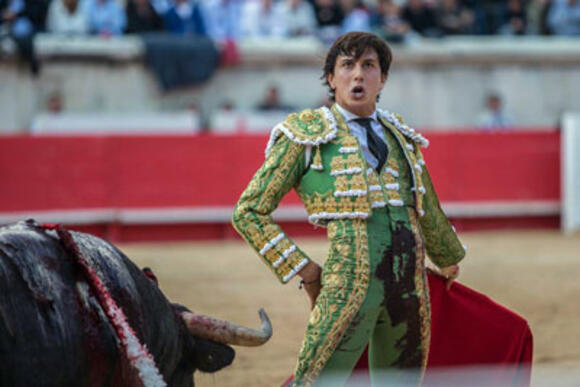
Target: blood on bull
(75,311)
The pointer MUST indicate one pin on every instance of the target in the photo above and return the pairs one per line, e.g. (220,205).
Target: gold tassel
(317,161)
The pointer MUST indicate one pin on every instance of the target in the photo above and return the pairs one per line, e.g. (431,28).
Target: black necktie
(377,146)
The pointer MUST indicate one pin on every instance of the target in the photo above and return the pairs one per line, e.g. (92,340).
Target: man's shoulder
(396,120)
(309,127)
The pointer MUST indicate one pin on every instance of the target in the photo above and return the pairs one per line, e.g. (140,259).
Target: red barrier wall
(67,173)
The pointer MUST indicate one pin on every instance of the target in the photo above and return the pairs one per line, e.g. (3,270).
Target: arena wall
(184,187)
(434,83)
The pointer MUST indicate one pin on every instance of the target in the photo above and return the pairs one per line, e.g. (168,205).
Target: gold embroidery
(421,288)
(306,115)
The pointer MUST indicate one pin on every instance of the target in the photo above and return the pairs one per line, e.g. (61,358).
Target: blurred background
(142,121)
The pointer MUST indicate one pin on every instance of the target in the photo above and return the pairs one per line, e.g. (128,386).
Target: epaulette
(309,127)
(397,121)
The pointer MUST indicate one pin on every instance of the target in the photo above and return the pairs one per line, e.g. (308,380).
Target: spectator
(452,18)
(68,17)
(537,16)
(54,103)
(328,13)
(223,19)
(298,17)
(420,18)
(329,17)
(356,17)
(387,22)
(493,117)
(22,19)
(185,17)
(271,101)
(515,19)
(564,17)
(142,17)
(106,17)
(261,18)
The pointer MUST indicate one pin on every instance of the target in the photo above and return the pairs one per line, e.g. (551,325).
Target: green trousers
(393,318)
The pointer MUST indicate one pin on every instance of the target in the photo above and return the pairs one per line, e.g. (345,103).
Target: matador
(360,173)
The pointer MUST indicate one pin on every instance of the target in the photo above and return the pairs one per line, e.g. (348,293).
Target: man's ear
(330,79)
(383,80)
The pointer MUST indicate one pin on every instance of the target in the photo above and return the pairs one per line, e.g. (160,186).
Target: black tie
(377,146)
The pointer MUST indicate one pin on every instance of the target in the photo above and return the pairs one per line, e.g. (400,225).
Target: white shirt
(360,132)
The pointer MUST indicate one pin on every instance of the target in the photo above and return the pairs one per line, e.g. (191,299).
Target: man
(493,117)
(359,172)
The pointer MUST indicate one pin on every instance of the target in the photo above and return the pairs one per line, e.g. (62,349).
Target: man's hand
(451,273)
(310,275)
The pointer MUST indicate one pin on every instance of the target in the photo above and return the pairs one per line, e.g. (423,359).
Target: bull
(75,311)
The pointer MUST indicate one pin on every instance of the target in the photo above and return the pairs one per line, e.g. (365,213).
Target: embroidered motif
(310,127)
(317,161)
(348,150)
(421,289)
(351,192)
(294,271)
(272,243)
(347,171)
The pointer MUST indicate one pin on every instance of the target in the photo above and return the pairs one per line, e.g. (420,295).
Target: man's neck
(351,115)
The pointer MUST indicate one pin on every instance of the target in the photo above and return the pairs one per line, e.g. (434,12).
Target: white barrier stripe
(374,188)
(378,204)
(392,186)
(369,171)
(272,243)
(396,202)
(223,214)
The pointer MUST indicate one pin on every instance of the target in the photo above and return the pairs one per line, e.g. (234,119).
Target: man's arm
(282,169)
(443,246)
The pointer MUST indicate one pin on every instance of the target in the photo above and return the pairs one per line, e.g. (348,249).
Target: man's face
(357,83)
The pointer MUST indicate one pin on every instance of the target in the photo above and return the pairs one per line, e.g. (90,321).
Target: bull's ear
(211,357)
(149,274)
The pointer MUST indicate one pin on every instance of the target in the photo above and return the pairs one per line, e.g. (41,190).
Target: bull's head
(211,338)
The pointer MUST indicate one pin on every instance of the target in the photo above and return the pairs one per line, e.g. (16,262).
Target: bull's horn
(227,333)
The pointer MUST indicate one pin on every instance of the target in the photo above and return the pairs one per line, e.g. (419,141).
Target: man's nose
(358,72)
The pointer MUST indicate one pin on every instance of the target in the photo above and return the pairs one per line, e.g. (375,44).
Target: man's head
(493,102)
(356,69)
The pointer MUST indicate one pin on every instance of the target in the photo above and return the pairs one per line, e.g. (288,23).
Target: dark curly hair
(355,44)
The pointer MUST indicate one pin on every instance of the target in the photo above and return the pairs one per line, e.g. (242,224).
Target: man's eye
(346,64)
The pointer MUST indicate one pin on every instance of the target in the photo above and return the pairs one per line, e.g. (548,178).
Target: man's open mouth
(358,91)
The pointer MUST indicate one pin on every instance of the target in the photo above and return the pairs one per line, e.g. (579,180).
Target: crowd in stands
(220,20)
(231,20)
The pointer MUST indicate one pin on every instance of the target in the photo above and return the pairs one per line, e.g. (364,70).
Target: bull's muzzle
(225,332)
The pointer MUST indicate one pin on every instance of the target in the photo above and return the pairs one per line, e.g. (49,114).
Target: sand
(534,273)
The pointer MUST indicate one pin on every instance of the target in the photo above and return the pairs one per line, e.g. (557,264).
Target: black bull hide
(54,332)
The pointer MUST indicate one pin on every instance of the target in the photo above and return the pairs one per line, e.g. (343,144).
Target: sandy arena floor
(535,273)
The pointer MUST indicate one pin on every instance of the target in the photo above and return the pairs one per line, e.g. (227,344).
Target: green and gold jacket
(314,153)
